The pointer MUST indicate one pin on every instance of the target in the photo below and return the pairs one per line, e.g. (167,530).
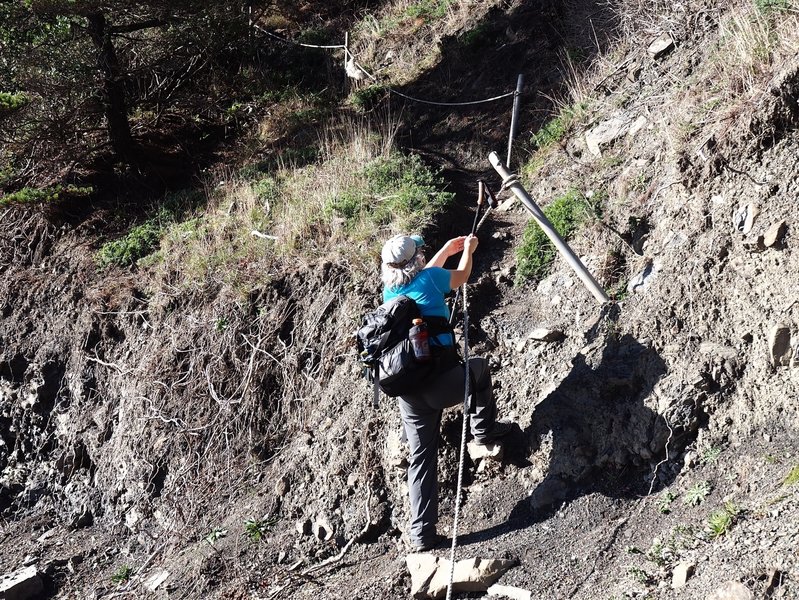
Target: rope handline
(286,41)
(461,462)
(393,91)
(351,56)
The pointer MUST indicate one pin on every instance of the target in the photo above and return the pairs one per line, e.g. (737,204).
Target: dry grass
(751,42)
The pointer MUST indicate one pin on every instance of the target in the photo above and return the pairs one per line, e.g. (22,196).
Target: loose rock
(779,345)
(546,335)
(661,46)
(430,574)
(773,235)
(732,590)
(509,591)
(682,572)
(21,584)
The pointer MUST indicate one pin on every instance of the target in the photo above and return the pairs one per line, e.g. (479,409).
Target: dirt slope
(142,426)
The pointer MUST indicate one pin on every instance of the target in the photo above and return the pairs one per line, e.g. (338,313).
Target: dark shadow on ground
(603,436)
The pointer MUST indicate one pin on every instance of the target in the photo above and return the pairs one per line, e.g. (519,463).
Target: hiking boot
(433,542)
(499,431)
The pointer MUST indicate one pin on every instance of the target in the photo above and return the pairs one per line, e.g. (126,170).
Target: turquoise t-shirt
(427,289)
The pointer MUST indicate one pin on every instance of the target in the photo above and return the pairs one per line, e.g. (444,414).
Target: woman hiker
(405,271)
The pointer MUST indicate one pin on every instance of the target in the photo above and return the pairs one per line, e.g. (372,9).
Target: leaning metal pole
(511,181)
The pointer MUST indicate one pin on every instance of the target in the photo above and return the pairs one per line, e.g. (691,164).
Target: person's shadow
(600,434)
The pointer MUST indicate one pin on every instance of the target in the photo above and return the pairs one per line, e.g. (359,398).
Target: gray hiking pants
(421,418)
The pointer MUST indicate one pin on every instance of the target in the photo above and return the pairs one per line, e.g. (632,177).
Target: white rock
(744,218)
(774,234)
(660,46)
(509,591)
(21,584)
(606,133)
(322,529)
(153,582)
(681,573)
(637,125)
(543,334)
(430,574)
(481,451)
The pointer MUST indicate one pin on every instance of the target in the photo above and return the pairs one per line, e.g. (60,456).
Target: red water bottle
(418,337)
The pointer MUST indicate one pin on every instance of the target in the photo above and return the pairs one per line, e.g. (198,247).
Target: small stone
(520,345)
(303,526)
(606,133)
(779,345)
(661,46)
(546,335)
(681,573)
(352,479)
(509,591)
(481,451)
(322,529)
(732,590)
(744,218)
(637,126)
(773,235)
(153,582)
(282,487)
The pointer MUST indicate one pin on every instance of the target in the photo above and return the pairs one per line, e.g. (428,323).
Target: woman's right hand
(470,243)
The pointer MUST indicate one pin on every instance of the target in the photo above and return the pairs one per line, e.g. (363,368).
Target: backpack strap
(376,395)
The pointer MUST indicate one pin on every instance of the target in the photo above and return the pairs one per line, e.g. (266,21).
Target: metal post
(346,57)
(515,115)
(567,253)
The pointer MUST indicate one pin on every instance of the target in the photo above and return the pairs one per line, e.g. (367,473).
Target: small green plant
(767,6)
(639,575)
(633,550)
(664,506)
(721,520)
(256,529)
(143,239)
(772,460)
(793,476)
(44,195)
(216,534)
(10,102)
(221,324)
(535,252)
(367,98)
(696,494)
(122,575)
(711,455)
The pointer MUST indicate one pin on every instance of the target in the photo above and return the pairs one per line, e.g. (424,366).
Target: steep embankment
(220,437)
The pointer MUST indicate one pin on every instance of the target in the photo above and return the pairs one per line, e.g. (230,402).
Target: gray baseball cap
(400,249)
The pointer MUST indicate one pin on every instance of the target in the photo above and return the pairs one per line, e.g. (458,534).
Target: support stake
(515,115)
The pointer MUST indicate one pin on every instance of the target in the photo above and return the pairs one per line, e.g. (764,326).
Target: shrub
(10,102)
(142,239)
(29,196)
(535,252)
(367,98)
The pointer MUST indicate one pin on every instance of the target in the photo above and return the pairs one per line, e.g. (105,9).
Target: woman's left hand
(455,245)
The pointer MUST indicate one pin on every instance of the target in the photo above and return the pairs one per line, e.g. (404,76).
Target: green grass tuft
(535,252)
(793,477)
(10,102)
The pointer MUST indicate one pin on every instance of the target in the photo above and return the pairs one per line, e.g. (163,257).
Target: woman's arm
(461,275)
(450,248)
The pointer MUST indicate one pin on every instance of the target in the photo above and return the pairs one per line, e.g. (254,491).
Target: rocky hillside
(196,425)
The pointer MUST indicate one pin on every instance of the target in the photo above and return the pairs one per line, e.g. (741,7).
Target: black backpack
(386,352)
